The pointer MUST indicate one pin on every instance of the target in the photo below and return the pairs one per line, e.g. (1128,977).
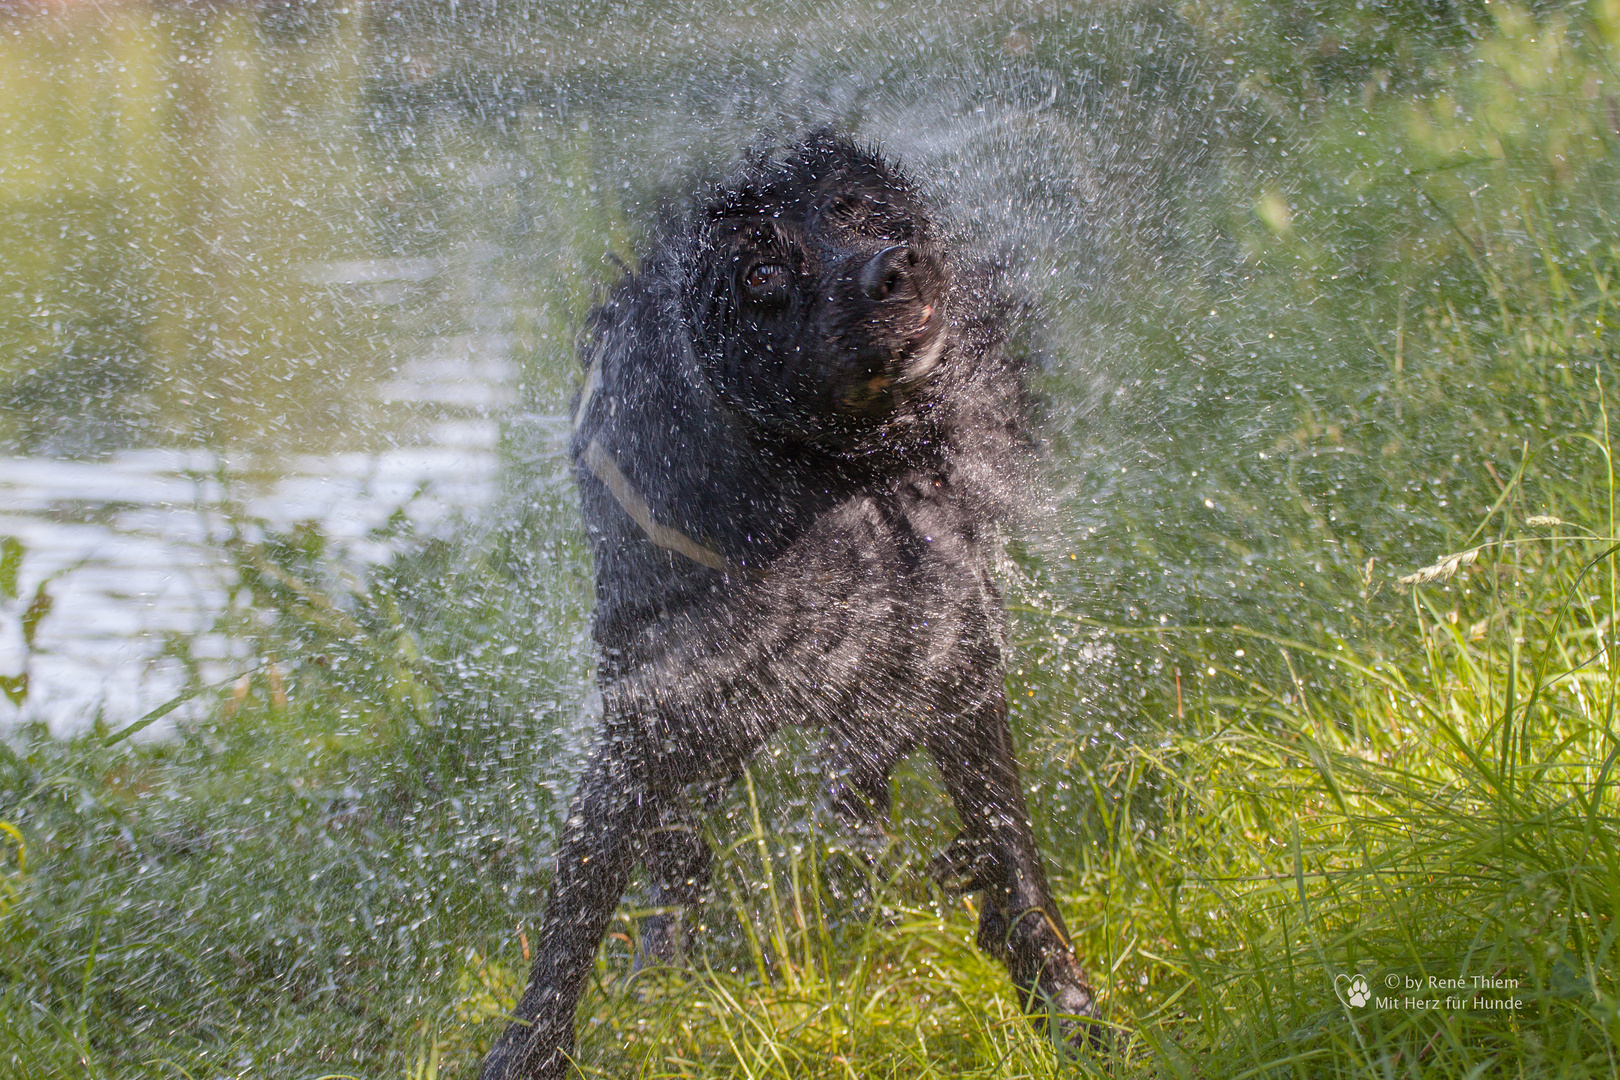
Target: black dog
(797,434)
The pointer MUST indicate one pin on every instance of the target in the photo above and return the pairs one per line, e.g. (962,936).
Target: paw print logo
(1352,990)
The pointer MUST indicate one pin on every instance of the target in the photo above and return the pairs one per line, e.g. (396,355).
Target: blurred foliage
(361,772)
(1401,323)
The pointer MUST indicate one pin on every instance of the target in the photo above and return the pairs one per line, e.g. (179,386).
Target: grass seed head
(1441,570)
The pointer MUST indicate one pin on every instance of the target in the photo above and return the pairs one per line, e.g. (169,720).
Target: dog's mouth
(909,360)
(924,345)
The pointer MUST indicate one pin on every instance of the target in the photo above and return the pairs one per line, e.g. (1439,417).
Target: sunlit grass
(1445,810)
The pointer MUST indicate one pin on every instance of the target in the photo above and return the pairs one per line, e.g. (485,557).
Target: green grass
(1258,759)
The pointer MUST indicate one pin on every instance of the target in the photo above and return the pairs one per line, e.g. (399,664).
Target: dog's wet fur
(799,433)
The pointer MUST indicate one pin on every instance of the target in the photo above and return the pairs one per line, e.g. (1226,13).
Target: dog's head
(819,290)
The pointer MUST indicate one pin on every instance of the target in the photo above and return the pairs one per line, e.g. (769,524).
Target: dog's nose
(888,272)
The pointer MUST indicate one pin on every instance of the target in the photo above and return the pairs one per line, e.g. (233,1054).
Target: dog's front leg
(1019,922)
(678,861)
(612,807)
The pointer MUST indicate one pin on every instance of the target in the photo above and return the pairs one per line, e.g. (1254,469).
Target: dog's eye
(763,276)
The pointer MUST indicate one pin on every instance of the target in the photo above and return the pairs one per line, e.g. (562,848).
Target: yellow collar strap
(604,468)
(600,461)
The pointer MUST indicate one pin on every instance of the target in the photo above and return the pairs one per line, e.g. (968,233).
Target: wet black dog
(797,435)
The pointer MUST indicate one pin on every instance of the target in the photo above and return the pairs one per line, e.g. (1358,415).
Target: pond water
(204,317)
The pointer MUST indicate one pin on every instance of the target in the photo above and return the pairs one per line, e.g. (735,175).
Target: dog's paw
(1067,1005)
